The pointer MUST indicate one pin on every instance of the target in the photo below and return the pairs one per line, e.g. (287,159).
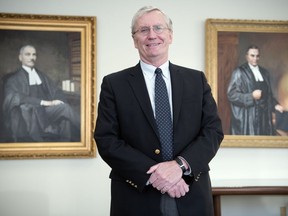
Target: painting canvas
(226,48)
(53,118)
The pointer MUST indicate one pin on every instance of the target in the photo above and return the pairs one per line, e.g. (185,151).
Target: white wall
(74,187)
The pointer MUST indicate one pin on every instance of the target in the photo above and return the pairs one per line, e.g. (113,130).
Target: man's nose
(152,34)
(151,31)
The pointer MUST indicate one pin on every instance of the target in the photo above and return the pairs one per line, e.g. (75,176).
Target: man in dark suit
(129,139)
(35,109)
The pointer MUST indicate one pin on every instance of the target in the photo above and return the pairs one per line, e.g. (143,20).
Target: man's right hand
(179,189)
(256,94)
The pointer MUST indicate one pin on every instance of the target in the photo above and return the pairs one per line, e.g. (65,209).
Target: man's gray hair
(148,9)
(25,46)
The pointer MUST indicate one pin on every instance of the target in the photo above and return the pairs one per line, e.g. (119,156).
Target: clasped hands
(167,178)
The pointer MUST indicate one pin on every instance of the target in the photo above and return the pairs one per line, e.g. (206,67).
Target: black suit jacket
(127,139)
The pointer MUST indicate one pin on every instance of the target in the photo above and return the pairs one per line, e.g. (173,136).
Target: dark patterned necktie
(163,116)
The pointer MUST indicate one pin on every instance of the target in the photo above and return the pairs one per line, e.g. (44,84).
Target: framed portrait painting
(48,86)
(250,119)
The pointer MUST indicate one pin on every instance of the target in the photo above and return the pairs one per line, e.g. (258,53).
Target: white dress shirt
(256,72)
(149,76)
(34,78)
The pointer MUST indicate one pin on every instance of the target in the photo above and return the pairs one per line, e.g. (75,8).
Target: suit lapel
(137,83)
(177,91)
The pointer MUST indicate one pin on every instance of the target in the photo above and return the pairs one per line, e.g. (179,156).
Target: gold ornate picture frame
(226,44)
(66,53)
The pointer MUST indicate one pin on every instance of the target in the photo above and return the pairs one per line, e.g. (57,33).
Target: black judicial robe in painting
(126,137)
(250,117)
(25,118)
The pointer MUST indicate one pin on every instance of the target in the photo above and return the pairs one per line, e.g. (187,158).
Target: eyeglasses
(158,29)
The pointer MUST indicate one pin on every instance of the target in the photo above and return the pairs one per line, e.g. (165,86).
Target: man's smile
(153,44)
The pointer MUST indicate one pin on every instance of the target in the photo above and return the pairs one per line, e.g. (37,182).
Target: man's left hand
(164,175)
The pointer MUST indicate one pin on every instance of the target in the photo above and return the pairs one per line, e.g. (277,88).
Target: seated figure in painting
(34,108)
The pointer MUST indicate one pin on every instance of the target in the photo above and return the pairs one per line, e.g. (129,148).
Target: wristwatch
(181,164)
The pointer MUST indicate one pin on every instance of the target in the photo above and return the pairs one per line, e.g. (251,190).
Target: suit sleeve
(204,145)
(238,92)
(126,161)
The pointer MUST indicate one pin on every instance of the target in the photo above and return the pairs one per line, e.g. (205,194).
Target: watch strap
(181,164)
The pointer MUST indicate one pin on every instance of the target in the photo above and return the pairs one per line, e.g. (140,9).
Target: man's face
(253,56)
(28,56)
(152,47)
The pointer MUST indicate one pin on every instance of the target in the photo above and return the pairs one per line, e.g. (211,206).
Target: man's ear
(171,37)
(135,44)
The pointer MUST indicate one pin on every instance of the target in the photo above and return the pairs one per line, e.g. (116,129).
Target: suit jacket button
(157,151)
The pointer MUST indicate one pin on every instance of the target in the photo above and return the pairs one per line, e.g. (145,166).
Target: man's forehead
(29,49)
(253,51)
(155,17)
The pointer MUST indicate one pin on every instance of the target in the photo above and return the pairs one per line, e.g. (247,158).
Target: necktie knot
(158,71)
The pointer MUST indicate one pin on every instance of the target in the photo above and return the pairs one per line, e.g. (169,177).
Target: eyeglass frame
(148,28)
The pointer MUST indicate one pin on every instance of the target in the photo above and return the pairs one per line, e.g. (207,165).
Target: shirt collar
(256,72)
(34,78)
(27,69)
(149,70)
(253,67)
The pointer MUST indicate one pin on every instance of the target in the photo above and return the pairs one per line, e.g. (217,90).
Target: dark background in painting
(231,53)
